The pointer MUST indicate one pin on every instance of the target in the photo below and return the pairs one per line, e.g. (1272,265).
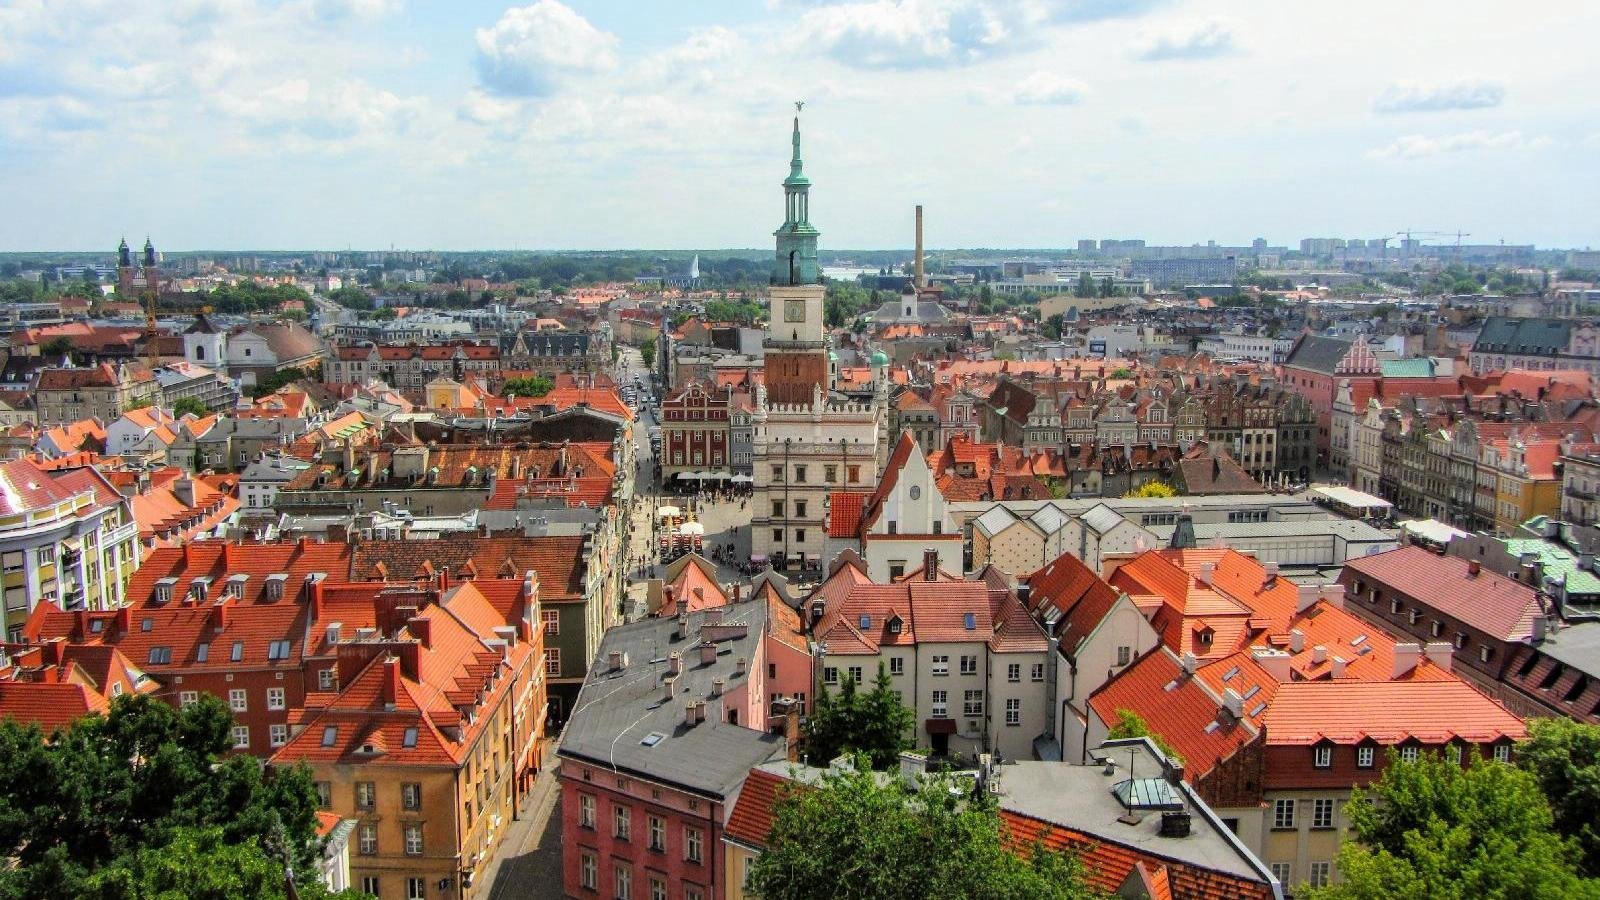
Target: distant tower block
(920,283)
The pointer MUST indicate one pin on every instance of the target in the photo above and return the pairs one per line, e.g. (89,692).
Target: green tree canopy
(1433,829)
(874,723)
(527,386)
(1085,286)
(1130,724)
(1564,758)
(864,836)
(187,405)
(647,353)
(141,803)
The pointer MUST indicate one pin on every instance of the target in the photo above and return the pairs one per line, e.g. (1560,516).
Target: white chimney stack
(1440,653)
(1297,640)
(1207,572)
(1233,703)
(1406,657)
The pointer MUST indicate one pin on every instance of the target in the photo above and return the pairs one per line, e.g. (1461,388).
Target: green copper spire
(796,261)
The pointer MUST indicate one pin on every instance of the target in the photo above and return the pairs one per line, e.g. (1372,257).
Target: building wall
(1096,661)
(789,439)
(680,812)
(886,557)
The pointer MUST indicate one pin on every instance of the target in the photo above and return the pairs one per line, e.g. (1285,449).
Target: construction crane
(1409,234)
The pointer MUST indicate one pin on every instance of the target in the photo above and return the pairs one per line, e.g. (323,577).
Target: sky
(464,124)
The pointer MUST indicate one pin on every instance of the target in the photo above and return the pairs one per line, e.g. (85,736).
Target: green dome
(879,359)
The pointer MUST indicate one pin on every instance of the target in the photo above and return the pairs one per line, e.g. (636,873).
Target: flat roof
(1081,798)
(1349,529)
(1349,496)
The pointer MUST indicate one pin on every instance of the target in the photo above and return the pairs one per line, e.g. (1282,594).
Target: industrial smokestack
(918,280)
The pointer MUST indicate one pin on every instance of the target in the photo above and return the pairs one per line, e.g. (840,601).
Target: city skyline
(371,123)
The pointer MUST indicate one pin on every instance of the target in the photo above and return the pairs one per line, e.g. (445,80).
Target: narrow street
(529,861)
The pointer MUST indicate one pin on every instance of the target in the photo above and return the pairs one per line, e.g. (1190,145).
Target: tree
(189,406)
(1563,756)
(58,347)
(1130,724)
(1085,286)
(527,386)
(874,723)
(1107,288)
(1152,489)
(118,805)
(1051,327)
(1433,828)
(868,837)
(647,353)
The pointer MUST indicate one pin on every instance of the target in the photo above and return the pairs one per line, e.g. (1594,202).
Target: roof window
(970,621)
(330,734)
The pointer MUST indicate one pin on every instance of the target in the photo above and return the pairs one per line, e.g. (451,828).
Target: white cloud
(1418,96)
(1200,40)
(693,60)
(1047,89)
(367,10)
(1416,146)
(533,47)
(922,34)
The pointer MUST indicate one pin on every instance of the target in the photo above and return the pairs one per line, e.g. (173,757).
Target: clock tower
(796,345)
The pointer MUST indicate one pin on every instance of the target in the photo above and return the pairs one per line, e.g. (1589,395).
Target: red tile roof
(844,513)
(1178,707)
(1490,602)
(1432,712)
(750,820)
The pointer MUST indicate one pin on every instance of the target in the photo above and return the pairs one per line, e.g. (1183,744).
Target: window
(585,811)
(1322,757)
(621,822)
(941,704)
(1037,672)
(624,883)
(588,870)
(160,655)
(238,652)
(408,738)
(1283,814)
(1014,672)
(411,795)
(969,665)
(658,889)
(324,794)
(777,535)
(777,474)
(1282,871)
(1320,872)
(413,839)
(693,844)
(277,650)
(1013,711)
(972,703)
(552,620)
(830,675)
(855,674)
(330,735)
(275,698)
(1409,754)
(799,474)
(897,665)
(1502,753)
(278,735)
(241,737)
(800,535)
(416,888)
(367,839)
(187,697)
(202,652)
(238,700)
(325,679)
(1124,655)
(941,665)
(1364,757)
(777,509)
(853,473)
(830,474)
(369,885)
(366,795)
(552,661)
(1322,812)
(799,509)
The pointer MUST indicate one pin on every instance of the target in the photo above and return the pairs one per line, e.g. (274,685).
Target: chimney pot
(667,686)
(716,687)
(708,653)
(614,660)
(674,663)
(1319,654)
(699,711)
(1473,568)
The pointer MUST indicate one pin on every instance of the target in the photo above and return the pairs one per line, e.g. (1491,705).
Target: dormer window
(164,589)
(236,586)
(275,585)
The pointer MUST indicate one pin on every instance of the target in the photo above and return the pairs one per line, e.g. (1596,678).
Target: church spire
(796,260)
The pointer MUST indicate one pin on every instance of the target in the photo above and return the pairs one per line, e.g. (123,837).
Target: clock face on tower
(794,311)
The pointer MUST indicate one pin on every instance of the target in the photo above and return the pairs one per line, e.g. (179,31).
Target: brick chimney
(421,629)
(391,680)
(708,653)
(930,564)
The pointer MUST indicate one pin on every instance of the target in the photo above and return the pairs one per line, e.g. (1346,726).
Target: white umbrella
(692,528)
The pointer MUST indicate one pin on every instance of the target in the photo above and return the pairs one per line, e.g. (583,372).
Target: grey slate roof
(1317,353)
(619,708)
(1504,334)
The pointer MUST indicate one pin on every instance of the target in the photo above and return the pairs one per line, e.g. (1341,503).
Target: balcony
(1581,494)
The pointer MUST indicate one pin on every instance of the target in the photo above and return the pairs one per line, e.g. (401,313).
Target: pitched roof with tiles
(1179,707)
(750,820)
(844,513)
(860,616)
(1388,712)
(695,584)
(1490,602)
(558,560)
(1069,593)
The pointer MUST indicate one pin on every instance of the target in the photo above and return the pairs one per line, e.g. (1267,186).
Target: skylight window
(330,735)
(1258,709)
(238,652)
(1230,673)
(652,739)
(1358,640)
(160,655)
(866,622)
(971,621)
(202,652)
(409,739)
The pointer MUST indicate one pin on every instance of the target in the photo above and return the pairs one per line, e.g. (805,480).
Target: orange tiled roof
(1433,712)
